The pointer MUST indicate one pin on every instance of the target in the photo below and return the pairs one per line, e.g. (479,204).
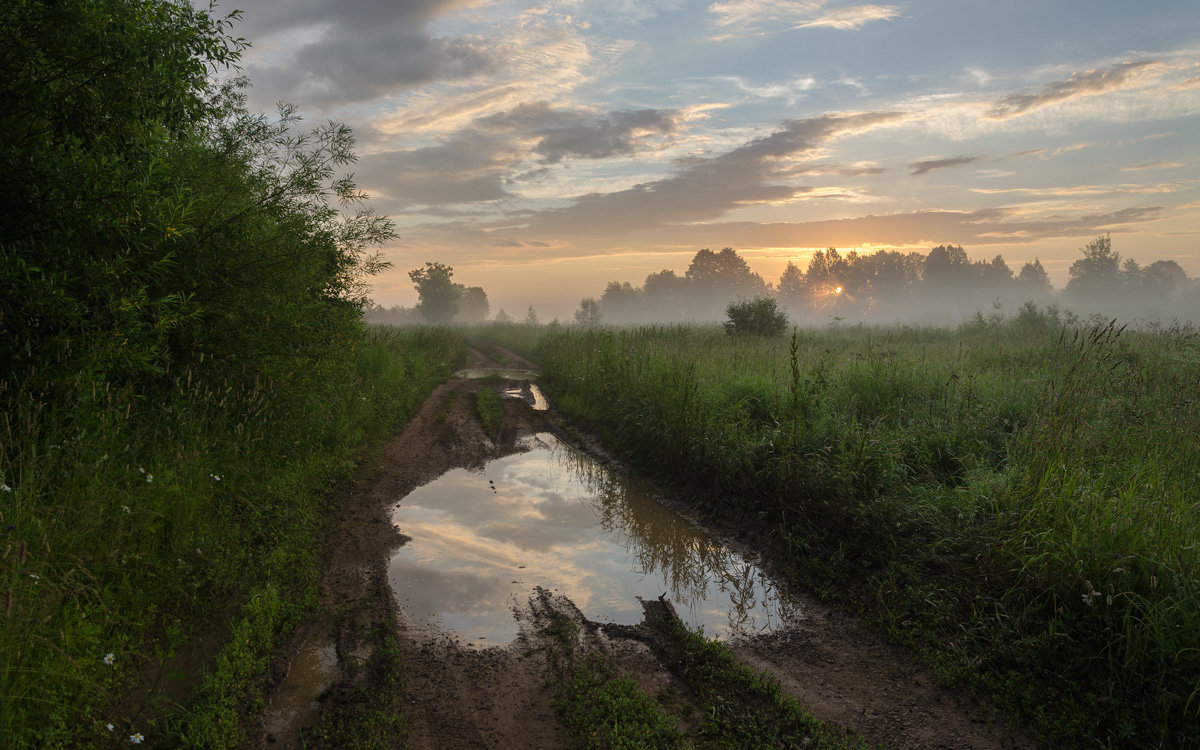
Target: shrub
(760,316)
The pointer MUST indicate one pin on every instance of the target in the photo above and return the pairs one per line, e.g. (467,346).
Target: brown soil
(454,696)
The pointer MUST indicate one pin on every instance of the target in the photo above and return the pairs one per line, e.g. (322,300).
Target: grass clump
(490,409)
(600,708)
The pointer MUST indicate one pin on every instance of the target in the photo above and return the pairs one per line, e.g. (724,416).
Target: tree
(531,317)
(760,316)
(438,296)
(588,313)
(947,266)
(1098,272)
(150,221)
(1033,280)
(473,304)
(621,301)
(791,289)
(1163,277)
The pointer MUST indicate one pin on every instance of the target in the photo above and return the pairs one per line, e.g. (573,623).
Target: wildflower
(110,726)
(125,508)
(149,477)
(141,470)
(215,477)
(109,659)
(34,577)
(136,738)
(5,488)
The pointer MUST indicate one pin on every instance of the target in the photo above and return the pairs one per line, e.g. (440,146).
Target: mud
(461,696)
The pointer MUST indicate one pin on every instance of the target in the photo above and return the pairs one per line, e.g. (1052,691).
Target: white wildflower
(109,659)
(5,488)
(149,477)
(136,738)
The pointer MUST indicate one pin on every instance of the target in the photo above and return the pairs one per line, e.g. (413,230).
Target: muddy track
(453,696)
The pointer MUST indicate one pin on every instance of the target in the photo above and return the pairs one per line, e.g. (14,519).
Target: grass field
(135,526)
(1016,498)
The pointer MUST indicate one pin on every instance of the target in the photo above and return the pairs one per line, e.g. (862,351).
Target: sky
(545,149)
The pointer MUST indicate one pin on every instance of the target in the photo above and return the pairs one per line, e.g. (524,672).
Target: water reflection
(522,390)
(553,517)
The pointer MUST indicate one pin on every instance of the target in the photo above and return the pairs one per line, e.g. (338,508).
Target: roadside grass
(371,718)
(740,707)
(490,409)
(130,518)
(1014,497)
(737,706)
(599,708)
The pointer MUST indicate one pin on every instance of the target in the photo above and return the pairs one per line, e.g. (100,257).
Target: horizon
(544,150)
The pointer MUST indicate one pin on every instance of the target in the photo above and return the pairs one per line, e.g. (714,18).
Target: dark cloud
(481,162)
(566,133)
(363,49)
(467,168)
(705,189)
(924,167)
(1088,83)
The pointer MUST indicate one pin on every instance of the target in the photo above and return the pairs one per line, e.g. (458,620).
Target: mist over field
(943,287)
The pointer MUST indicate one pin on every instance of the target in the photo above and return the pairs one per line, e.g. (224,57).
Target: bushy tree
(150,222)
(438,296)
(588,313)
(473,304)
(1097,273)
(760,316)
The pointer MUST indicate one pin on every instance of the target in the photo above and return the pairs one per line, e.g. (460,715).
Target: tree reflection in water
(695,566)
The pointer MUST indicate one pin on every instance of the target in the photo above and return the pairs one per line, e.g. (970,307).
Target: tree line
(939,286)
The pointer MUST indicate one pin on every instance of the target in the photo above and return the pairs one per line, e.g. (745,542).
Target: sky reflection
(553,517)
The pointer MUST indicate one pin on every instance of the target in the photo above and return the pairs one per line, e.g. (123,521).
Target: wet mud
(467,591)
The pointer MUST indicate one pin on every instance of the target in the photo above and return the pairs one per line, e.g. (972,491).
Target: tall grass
(1015,497)
(131,521)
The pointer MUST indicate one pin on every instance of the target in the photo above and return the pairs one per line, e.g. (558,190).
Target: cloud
(924,167)
(563,133)
(742,17)
(981,227)
(360,50)
(1088,83)
(1152,165)
(703,189)
(482,161)
(853,18)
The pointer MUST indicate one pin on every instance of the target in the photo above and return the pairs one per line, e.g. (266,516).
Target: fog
(942,287)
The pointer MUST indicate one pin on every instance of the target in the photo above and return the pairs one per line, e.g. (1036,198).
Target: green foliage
(438,296)
(490,409)
(599,707)
(183,364)
(1014,497)
(760,316)
(741,707)
(166,511)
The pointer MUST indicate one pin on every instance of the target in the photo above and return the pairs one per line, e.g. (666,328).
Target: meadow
(157,549)
(1015,498)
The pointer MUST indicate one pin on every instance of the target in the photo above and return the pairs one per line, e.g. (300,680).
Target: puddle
(553,517)
(522,390)
(295,706)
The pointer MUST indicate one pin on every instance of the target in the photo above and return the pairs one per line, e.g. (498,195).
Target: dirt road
(329,678)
